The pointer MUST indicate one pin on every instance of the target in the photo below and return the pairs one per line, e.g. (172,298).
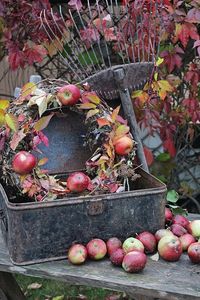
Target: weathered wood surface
(9,288)
(163,280)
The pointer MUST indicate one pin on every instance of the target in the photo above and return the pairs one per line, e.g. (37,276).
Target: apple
(134,261)
(123,145)
(117,257)
(23,162)
(96,249)
(186,240)
(77,182)
(168,215)
(170,248)
(181,220)
(69,94)
(131,244)
(162,232)
(77,254)
(113,244)
(194,228)
(178,230)
(194,252)
(148,240)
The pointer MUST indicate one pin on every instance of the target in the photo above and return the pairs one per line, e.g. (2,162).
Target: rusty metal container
(38,232)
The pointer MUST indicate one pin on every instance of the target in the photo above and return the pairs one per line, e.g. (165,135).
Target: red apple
(194,228)
(69,94)
(162,232)
(186,240)
(117,257)
(77,254)
(178,230)
(134,261)
(123,145)
(168,215)
(23,162)
(113,244)
(170,248)
(194,252)
(96,249)
(77,182)
(148,240)
(132,244)
(181,220)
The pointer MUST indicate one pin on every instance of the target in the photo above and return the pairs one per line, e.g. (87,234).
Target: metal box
(37,232)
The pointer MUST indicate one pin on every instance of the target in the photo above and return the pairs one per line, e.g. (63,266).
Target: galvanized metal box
(38,232)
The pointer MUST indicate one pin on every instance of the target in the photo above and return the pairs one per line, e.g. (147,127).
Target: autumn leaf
(28,89)
(42,161)
(4,104)
(169,146)
(87,105)
(2,117)
(17,138)
(115,113)
(43,122)
(12,121)
(34,286)
(93,98)
(102,122)
(185,31)
(92,113)
(121,131)
(41,100)
(148,155)
(141,95)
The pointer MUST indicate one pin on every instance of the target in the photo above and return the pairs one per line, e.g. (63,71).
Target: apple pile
(131,254)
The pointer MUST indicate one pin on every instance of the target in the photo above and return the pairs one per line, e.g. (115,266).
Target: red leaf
(102,122)
(35,54)
(149,155)
(16,59)
(168,145)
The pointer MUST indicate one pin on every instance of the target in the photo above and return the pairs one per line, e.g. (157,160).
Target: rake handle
(119,75)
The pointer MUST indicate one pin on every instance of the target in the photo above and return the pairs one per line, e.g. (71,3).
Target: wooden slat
(163,280)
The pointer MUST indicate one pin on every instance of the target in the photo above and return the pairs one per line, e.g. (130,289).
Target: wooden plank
(163,280)
(10,287)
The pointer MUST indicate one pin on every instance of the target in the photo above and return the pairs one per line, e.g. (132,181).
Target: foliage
(22,129)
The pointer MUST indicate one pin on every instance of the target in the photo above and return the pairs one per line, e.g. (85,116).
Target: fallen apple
(181,220)
(170,248)
(77,254)
(194,228)
(186,240)
(117,257)
(123,145)
(131,244)
(148,240)
(194,252)
(69,94)
(178,230)
(23,162)
(168,215)
(77,182)
(113,244)
(162,232)
(96,249)
(134,261)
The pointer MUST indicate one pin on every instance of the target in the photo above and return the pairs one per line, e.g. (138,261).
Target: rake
(109,45)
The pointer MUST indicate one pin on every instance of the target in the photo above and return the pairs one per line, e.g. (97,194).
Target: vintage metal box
(38,232)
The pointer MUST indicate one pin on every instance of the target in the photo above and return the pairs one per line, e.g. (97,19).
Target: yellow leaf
(165,86)
(4,104)
(42,161)
(92,113)
(2,117)
(87,105)
(28,89)
(93,98)
(137,94)
(43,122)
(159,61)
(156,76)
(115,113)
(121,131)
(12,122)
(141,95)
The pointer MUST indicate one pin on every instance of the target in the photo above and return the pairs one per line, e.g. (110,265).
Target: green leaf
(121,131)
(12,122)
(172,196)
(177,210)
(4,104)
(88,58)
(43,122)
(58,297)
(163,157)
(2,117)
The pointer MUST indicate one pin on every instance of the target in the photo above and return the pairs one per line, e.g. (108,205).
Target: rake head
(96,39)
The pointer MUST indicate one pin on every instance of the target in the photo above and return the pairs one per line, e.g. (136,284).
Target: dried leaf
(92,113)
(102,122)
(2,117)
(155,257)
(41,101)
(43,122)
(93,98)
(121,131)
(4,104)
(87,105)
(12,121)
(28,89)
(17,138)
(34,286)
(42,161)
(115,113)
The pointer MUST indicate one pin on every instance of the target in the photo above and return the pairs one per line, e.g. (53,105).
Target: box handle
(95,208)
(3,219)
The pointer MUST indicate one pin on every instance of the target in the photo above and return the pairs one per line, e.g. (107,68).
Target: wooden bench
(159,279)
